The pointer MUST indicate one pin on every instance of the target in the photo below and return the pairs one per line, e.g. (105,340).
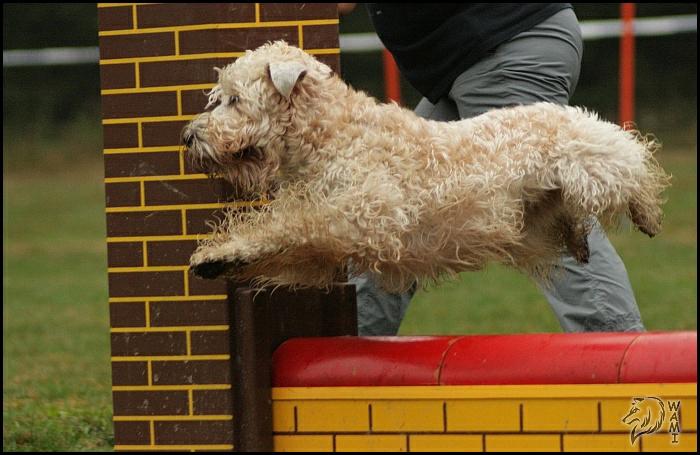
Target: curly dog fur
(411,199)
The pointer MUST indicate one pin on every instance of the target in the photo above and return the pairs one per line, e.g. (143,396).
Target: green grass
(56,359)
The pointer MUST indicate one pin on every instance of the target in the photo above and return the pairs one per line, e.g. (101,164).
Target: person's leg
(597,296)
(543,64)
(380,312)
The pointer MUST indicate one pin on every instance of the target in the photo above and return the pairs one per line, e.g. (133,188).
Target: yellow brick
(483,415)
(560,415)
(303,443)
(407,415)
(522,443)
(283,416)
(599,443)
(689,414)
(332,415)
(370,443)
(611,413)
(445,443)
(662,442)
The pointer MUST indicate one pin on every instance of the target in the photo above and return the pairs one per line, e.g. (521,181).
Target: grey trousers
(541,64)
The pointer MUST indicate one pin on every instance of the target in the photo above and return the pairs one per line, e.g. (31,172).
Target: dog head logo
(646,416)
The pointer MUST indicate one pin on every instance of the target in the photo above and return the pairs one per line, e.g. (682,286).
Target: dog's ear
(285,76)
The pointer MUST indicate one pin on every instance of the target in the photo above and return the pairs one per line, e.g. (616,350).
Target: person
(466,59)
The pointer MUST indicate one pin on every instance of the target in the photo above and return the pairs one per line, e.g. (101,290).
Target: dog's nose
(188,139)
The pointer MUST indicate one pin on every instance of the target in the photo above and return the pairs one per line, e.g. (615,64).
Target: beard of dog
(249,168)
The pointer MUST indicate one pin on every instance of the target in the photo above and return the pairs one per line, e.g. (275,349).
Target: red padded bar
(561,358)
(661,357)
(581,358)
(359,361)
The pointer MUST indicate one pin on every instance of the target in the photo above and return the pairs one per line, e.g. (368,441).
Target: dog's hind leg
(576,239)
(605,171)
(645,203)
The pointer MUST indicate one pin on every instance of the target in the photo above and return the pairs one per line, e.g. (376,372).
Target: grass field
(56,369)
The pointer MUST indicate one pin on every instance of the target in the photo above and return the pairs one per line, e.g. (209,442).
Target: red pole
(626,102)
(392,79)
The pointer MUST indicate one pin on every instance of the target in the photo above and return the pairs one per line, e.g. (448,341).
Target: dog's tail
(645,204)
(609,171)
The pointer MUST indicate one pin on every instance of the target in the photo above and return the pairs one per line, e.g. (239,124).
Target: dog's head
(244,134)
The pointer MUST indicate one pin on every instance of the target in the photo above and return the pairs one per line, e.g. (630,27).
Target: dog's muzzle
(199,152)
(188,138)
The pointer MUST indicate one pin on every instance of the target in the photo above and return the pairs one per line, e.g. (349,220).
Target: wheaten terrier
(355,181)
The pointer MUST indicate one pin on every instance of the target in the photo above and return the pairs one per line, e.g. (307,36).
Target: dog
(354,181)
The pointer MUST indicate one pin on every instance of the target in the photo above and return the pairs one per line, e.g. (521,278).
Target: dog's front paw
(209,270)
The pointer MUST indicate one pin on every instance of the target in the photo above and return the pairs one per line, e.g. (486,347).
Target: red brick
(137,284)
(191,372)
(127,314)
(124,194)
(162,133)
(234,40)
(124,135)
(139,105)
(139,45)
(148,344)
(129,373)
(141,164)
(298,11)
(174,14)
(210,343)
(146,223)
(150,403)
(132,433)
(212,402)
(321,36)
(171,252)
(122,75)
(205,312)
(202,432)
(198,71)
(125,254)
(194,101)
(199,286)
(196,191)
(197,220)
(115,18)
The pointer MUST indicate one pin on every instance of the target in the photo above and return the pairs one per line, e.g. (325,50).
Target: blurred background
(56,377)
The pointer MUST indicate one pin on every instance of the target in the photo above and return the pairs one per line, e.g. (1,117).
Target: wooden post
(261,322)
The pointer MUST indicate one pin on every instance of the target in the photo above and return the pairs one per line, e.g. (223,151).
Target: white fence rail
(366,42)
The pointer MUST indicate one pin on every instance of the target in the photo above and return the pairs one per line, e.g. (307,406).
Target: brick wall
(169,330)
(569,418)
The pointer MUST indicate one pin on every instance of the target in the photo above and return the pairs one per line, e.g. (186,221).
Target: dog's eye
(232,100)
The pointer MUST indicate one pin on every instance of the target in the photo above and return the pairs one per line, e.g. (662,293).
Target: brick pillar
(171,367)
